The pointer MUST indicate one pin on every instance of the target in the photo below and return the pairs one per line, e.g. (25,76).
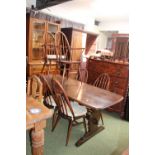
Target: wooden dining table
(94,98)
(36,115)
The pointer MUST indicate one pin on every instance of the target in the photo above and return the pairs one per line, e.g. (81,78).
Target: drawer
(118,82)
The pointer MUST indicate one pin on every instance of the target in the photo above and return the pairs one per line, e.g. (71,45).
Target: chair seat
(54,56)
(78,109)
(51,57)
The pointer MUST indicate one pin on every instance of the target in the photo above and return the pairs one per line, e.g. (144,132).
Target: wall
(115,25)
(30,2)
(108,27)
(102,38)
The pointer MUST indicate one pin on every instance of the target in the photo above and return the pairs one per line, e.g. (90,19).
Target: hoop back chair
(50,56)
(103,81)
(64,54)
(35,88)
(65,108)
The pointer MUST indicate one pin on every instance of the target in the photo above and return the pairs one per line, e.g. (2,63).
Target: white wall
(29,3)
(120,25)
(106,28)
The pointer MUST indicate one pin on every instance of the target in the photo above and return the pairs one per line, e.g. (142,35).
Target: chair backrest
(103,81)
(45,79)
(35,87)
(61,99)
(62,46)
(59,96)
(82,75)
(50,51)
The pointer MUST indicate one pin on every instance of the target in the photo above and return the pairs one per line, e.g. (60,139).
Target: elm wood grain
(88,95)
(94,99)
(36,123)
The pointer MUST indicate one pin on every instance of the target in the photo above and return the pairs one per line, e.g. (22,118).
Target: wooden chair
(82,75)
(64,54)
(34,88)
(50,56)
(65,108)
(103,81)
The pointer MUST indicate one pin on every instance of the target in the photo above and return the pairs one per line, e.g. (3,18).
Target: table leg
(93,117)
(37,142)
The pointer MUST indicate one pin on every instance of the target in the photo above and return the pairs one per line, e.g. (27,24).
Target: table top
(34,118)
(89,95)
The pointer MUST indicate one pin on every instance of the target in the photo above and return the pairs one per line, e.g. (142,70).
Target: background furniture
(80,41)
(36,123)
(119,77)
(50,57)
(35,88)
(39,43)
(64,54)
(120,46)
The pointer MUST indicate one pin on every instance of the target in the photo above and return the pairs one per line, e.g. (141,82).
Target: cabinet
(39,40)
(120,46)
(119,75)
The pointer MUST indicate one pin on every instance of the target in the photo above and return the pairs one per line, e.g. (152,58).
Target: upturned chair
(103,81)
(50,56)
(65,108)
(35,88)
(64,54)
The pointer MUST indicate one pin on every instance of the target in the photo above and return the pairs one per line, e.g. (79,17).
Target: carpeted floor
(113,140)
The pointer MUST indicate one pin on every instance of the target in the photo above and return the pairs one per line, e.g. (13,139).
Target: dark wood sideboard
(119,77)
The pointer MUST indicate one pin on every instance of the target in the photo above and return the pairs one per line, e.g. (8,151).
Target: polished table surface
(89,95)
(94,99)
(36,123)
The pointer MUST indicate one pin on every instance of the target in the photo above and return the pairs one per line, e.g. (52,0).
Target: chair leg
(54,118)
(56,122)
(101,118)
(64,72)
(43,67)
(69,131)
(84,123)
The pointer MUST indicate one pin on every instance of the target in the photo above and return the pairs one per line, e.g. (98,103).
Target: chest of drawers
(119,77)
